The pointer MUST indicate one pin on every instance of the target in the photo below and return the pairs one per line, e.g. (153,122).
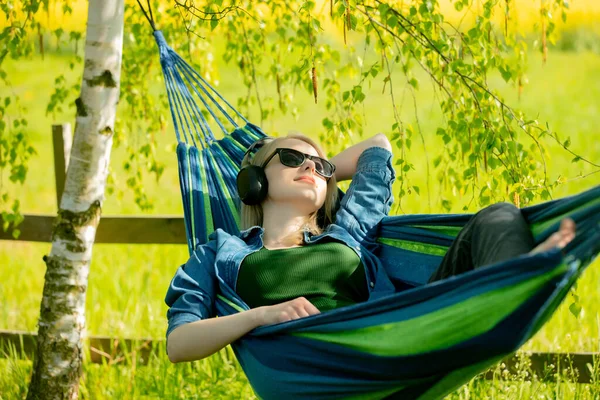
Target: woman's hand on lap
(283,312)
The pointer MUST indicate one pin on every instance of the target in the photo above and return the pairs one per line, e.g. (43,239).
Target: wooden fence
(111,229)
(576,367)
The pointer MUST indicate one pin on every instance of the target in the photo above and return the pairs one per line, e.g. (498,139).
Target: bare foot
(559,239)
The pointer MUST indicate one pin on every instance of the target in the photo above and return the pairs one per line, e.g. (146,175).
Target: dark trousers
(496,233)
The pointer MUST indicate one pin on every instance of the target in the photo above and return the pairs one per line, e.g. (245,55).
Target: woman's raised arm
(345,162)
(369,197)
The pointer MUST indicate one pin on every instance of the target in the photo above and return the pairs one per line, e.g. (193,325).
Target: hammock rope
(419,343)
(188,93)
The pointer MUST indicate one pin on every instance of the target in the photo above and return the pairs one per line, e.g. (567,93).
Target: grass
(127,283)
(217,377)
(220,377)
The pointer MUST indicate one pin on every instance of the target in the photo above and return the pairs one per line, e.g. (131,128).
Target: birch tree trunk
(58,364)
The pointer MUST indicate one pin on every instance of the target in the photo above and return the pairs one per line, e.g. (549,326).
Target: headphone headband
(257,145)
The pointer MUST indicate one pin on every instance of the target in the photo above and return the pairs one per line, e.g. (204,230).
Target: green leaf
(392,21)
(447,204)
(474,33)
(357,94)
(575,309)
(383,8)
(506,74)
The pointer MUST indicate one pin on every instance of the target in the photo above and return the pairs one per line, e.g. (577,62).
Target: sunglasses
(294,158)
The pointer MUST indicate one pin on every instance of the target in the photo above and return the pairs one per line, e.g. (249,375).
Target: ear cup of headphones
(252,184)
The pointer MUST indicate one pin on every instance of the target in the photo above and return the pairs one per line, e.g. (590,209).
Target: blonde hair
(252,215)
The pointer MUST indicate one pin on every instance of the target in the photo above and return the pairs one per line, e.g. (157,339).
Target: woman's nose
(309,164)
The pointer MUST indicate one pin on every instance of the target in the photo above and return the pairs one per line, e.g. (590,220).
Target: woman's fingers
(302,313)
(311,309)
(307,306)
(292,314)
(290,310)
(300,307)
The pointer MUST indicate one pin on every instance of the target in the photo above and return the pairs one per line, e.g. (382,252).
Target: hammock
(420,343)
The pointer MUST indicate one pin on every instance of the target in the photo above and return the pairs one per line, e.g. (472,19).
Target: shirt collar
(251,231)
(258,230)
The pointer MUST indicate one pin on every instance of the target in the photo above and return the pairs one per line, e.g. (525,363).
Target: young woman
(285,266)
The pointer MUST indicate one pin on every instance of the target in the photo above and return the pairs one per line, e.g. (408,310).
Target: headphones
(253,186)
(252,181)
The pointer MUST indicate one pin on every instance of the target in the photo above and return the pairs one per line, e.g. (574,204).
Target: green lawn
(127,283)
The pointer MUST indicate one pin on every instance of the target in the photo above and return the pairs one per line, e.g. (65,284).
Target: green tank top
(329,275)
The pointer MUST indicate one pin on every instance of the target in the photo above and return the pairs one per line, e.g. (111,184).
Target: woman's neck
(282,226)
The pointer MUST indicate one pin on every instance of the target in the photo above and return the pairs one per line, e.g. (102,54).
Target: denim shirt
(213,267)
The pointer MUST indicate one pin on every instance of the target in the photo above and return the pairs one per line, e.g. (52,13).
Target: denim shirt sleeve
(191,293)
(369,197)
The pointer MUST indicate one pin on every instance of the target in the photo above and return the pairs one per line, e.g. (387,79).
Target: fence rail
(113,229)
(580,367)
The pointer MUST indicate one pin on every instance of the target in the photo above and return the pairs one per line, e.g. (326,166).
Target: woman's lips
(306,179)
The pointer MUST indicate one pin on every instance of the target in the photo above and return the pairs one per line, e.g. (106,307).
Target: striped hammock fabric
(420,343)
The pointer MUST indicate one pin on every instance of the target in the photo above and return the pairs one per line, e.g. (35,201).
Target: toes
(567,225)
(563,242)
(552,241)
(566,232)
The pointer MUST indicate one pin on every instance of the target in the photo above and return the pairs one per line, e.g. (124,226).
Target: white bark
(57,367)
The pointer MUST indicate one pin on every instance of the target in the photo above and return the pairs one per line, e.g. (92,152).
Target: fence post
(61,144)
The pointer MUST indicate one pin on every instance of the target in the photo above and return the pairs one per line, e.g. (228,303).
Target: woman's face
(302,185)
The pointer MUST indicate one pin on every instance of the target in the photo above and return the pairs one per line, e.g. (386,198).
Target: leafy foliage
(490,149)
(485,149)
